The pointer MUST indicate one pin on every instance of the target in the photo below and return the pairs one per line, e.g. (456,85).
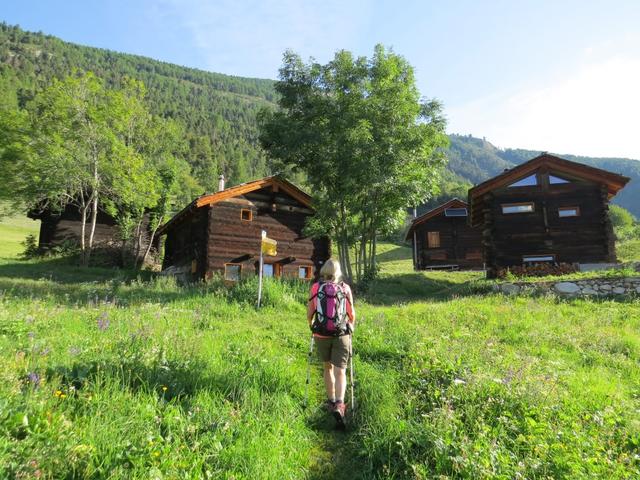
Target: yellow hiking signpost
(267,247)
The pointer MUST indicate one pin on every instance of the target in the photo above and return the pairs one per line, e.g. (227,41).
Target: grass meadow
(106,374)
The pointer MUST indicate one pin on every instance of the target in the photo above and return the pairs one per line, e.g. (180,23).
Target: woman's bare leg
(340,375)
(329,381)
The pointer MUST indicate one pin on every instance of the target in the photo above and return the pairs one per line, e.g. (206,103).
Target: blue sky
(561,76)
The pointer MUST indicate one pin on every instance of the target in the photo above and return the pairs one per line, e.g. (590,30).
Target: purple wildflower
(103,321)
(34,379)
(74,350)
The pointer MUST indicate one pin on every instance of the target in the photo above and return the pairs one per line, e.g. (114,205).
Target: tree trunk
(374,245)
(94,218)
(138,242)
(153,235)
(83,227)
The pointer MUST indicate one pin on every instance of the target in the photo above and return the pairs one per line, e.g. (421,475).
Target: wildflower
(34,378)
(29,319)
(164,388)
(45,351)
(74,351)
(103,321)
(58,393)
(459,381)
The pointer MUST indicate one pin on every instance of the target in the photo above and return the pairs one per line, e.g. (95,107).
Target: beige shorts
(334,350)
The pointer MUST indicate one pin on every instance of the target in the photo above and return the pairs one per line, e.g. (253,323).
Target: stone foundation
(593,287)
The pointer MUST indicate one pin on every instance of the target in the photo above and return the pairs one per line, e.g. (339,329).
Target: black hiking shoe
(339,411)
(329,405)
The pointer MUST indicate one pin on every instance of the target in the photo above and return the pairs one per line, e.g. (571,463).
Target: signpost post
(267,247)
(264,235)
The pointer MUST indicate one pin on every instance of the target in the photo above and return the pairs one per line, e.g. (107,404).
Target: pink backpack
(331,310)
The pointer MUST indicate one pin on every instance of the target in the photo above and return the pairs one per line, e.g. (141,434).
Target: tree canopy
(366,142)
(80,143)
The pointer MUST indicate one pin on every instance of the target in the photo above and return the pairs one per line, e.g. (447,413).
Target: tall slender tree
(368,145)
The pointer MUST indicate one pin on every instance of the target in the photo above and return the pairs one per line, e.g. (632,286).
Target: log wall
(55,229)
(186,243)
(460,244)
(587,238)
(233,240)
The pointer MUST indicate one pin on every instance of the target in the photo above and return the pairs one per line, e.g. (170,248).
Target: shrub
(31,247)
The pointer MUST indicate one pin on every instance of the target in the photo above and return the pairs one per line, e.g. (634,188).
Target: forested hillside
(219,113)
(217,110)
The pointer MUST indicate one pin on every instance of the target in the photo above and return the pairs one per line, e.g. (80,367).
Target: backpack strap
(315,295)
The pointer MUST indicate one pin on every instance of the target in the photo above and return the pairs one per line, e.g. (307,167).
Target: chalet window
(304,272)
(553,180)
(232,272)
(538,258)
(568,212)
(455,212)
(267,270)
(509,208)
(433,239)
(271,270)
(246,215)
(530,181)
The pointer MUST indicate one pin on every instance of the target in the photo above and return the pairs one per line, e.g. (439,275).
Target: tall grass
(126,377)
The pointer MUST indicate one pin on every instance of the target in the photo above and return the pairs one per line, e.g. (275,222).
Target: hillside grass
(13,231)
(628,251)
(110,376)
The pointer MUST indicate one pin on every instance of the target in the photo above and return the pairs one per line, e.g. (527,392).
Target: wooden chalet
(58,227)
(441,238)
(221,232)
(545,210)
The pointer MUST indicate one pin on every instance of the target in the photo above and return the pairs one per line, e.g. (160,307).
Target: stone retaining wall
(593,287)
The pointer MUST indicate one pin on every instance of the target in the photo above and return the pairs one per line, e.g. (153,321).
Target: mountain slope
(219,112)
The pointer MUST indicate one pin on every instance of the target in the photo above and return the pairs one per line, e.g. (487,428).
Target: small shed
(221,232)
(441,238)
(546,210)
(58,227)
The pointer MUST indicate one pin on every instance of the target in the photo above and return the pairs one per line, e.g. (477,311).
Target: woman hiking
(331,317)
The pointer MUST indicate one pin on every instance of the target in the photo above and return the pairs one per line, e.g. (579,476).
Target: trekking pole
(353,399)
(306,395)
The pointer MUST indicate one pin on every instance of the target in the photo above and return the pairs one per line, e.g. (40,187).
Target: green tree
(85,145)
(625,225)
(368,145)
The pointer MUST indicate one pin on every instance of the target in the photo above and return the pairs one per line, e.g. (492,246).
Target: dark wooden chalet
(221,232)
(57,227)
(545,210)
(441,238)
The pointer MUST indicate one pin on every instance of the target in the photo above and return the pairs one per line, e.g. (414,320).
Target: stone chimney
(221,183)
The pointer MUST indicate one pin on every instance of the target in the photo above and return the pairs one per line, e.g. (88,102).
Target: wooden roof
(274,181)
(453,203)
(613,181)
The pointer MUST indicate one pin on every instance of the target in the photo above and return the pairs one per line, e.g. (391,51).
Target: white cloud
(248,38)
(593,111)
